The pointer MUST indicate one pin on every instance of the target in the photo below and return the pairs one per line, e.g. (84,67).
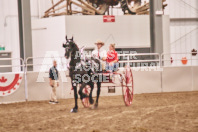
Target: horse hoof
(95,106)
(91,101)
(74,110)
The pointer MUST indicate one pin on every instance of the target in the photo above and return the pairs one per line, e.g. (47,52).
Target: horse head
(69,46)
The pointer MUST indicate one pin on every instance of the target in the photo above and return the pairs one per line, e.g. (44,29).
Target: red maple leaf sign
(3,79)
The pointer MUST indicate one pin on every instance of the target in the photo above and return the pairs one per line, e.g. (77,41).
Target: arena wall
(18,95)
(195,78)
(177,79)
(126,31)
(170,79)
(48,34)
(147,81)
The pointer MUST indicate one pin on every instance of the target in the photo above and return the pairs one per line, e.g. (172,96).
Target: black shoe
(74,110)
(51,102)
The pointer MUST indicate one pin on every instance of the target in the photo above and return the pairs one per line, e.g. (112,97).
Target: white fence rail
(44,63)
(163,60)
(132,58)
(33,66)
(179,59)
(12,65)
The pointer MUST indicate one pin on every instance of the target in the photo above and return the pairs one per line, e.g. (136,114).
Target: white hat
(99,42)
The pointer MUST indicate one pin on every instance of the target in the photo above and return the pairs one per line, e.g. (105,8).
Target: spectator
(54,82)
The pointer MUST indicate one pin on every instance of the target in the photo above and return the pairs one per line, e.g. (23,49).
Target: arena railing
(36,63)
(12,65)
(152,59)
(43,63)
(179,59)
(135,58)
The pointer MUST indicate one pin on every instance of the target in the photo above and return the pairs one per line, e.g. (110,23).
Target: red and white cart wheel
(127,86)
(85,101)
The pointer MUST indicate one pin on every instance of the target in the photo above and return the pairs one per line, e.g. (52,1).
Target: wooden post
(91,7)
(70,7)
(53,5)
(67,4)
(84,7)
(57,8)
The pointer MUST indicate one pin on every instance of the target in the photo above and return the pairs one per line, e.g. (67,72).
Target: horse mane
(75,49)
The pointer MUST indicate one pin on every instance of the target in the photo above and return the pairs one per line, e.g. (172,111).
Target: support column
(25,31)
(156,32)
(25,35)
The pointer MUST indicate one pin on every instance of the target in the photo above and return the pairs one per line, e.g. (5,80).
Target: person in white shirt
(99,52)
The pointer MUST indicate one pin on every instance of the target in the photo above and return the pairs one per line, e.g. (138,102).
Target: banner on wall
(9,83)
(108,18)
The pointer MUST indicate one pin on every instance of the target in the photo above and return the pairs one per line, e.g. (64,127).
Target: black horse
(82,72)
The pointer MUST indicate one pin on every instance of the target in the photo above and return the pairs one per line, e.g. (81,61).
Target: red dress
(112,56)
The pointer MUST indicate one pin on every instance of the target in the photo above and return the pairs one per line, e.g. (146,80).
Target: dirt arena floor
(167,112)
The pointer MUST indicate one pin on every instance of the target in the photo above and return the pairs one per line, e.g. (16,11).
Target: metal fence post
(25,73)
(128,60)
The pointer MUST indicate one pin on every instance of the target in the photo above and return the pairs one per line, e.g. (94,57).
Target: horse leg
(82,95)
(98,94)
(75,109)
(90,95)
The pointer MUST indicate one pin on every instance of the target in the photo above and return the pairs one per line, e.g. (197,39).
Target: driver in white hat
(100,53)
